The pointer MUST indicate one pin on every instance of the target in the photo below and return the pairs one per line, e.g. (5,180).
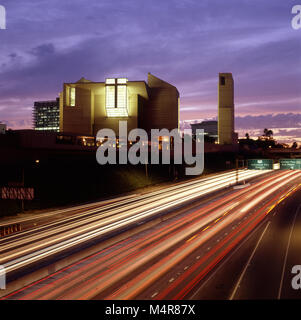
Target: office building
(2,128)
(209,127)
(46,115)
(86,106)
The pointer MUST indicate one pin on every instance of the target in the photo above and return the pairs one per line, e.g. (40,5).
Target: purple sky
(185,42)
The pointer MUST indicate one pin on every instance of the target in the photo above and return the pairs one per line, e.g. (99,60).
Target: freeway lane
(261,267)
(28,247)
(168,261)
(181,281)
(269,272)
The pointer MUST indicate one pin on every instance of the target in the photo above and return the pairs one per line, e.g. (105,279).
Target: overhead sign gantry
(260,164)
(290,164)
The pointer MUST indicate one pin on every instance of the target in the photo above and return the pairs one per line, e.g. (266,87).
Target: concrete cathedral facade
(86,106)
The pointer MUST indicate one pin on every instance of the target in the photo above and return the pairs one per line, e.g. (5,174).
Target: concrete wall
(134,89)
(163,106)
(77,118)
(152,105)
(226,109)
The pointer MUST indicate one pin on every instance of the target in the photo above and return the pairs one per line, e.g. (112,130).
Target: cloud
(43,50)
(270,121)
(186,43)
(286,126)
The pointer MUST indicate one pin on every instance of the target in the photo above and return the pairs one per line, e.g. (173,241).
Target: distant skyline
(285,126)
(185,42)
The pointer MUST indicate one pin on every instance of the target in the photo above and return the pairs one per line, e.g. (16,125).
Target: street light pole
(236,171)
(23,181)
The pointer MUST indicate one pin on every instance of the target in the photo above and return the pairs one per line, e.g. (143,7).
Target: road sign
(17,193)
(290,164)
(260,164)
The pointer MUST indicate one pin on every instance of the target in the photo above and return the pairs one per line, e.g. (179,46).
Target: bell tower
(226,133)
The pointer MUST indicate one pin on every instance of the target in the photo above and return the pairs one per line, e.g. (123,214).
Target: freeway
(25,248)
(169,260)
(262,266)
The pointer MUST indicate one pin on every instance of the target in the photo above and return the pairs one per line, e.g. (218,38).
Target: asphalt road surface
(261,266)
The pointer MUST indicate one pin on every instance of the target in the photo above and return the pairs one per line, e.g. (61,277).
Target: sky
(185,42)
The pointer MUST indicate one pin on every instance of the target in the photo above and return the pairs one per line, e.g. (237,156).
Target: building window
(116,97)
(110,96)
(72,97)
(122,80)
(223,81)
(121,96)
(110,81)
(46,115)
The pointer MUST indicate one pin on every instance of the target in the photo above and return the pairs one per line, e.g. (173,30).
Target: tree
(247,136)
(268,133)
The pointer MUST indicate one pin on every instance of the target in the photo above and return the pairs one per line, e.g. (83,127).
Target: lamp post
(237,168)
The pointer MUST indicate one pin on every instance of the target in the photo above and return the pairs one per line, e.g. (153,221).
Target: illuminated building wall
(98,105)
(3,128)
(46,115)
(226,133)
(116,98)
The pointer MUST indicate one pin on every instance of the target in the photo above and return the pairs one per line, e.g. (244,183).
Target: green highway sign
(260,164)
(290,164)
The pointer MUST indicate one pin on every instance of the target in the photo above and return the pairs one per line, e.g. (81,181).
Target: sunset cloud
(186,43)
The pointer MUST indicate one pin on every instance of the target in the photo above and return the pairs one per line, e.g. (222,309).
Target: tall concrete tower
(226,133)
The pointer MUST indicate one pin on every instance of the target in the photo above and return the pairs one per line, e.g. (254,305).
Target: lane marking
(191,238)
(231,254)
(156,293)
(248,262)
(286,253)
(171,280)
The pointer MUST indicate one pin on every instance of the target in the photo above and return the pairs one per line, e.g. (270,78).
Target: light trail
(131,289)
(35,247)
(171,227)
(129,203)
(168,246)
